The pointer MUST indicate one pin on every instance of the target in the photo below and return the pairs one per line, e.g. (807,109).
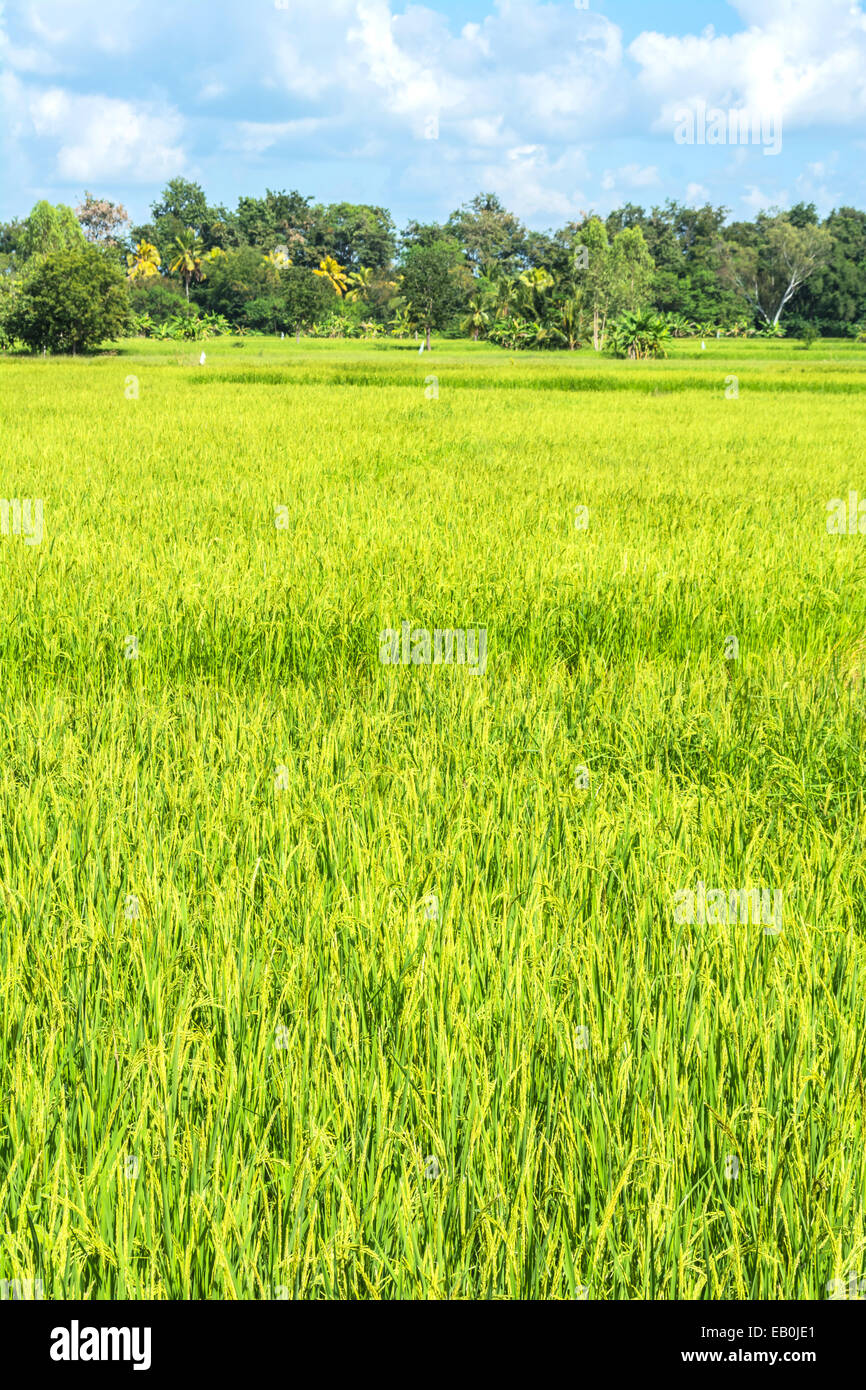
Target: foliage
(159,298)
(186,258)
(49,228)
(192,327)
(143,262)
(704,273)
(430,285)
(640,335)
(770,267)
(71,301)
(334,274)
(101,220)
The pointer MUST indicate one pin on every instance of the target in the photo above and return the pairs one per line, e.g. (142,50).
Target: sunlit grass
(241,1091)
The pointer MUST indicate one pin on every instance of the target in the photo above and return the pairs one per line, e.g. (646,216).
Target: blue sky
(556,107)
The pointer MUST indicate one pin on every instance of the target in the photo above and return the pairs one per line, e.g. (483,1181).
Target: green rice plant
(325,978)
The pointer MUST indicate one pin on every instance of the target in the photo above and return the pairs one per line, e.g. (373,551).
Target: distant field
(329,978)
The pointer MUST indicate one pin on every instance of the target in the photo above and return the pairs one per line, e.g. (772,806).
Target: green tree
(181,206)
(10,236)
(281,219)
(235,280)
(49,228)
(159,297)
(357,234)
(432,283)
(834,298)
(596,277)
(778,259)
(71,301)
(618,274)
(491,237)
(632,271)
(306,298)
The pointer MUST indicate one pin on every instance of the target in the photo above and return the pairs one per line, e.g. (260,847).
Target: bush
(159,298)
(192,328)
(232,281)
(305,298)
(70,302)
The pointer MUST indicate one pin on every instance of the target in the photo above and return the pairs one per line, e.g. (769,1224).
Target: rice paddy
(329,978)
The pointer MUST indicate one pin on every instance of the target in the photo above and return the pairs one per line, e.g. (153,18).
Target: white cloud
(254,137)
(802,59)
(757,201)
(631,176)
(91,24)
(530,180)
(522,96)
(100,137)
(696,194)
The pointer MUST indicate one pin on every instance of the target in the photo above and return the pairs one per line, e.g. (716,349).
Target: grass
(286,1075)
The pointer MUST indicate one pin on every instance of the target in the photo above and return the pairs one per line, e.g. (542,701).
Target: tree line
(71,278)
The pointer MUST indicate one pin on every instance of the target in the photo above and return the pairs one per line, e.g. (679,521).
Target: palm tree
(143,262)
(535,284)
(188,252)
(476,319)
(571,319)
(505,296)
(361,282)
(331,270)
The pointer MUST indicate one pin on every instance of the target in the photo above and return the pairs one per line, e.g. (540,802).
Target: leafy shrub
(71,301)
(640,335)
(159,298)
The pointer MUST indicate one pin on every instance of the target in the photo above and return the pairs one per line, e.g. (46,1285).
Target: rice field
(329,978)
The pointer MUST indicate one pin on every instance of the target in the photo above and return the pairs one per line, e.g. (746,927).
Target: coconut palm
(476,319)
(188,252)
(143,262)
(331,270)
(534,285)
(571,320)
(361,282)
(504,296)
